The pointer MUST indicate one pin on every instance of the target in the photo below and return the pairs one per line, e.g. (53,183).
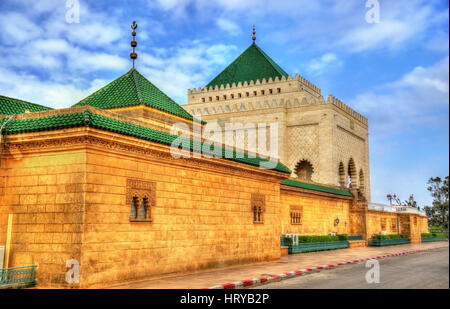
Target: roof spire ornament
(254,34)
(133,54)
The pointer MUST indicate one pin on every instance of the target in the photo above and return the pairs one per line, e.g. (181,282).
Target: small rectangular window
(239,95)
(263,92)
(232,96)
(210,99)
(255,93)
(394,224)
(279,90)
(383,224)
(247,94)
(296,214)
(217,98)
(270,91)
(203,100)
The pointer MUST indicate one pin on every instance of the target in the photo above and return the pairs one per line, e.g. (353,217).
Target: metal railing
(23,275)
(395,209)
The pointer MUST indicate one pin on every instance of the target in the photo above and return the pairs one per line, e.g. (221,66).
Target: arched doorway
(304,170)
(342,181)
(361,180)
(351,173)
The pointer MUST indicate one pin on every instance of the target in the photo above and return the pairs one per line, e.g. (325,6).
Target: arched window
(361,180)
(141,196)
(134,203)
(143,209)
(304,170)
(351,173)
(257,214)
(342,181)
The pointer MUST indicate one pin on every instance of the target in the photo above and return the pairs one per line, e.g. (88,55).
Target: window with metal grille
(394,224)
(296,213)
(383,224)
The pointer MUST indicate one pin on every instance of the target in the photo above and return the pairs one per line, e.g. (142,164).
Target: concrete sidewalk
(288,263)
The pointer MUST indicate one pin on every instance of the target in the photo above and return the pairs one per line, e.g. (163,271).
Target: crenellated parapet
(258,88)
(336,102)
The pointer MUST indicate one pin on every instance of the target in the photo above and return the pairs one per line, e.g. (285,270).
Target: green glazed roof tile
(251,65)
(87,118)
(314,187)
(133,89)
(11,106)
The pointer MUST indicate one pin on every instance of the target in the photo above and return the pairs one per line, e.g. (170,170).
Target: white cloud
(418,98)
(183,67)
(341,24)
(17,29)
(321,65)
(56,95)
(228,26)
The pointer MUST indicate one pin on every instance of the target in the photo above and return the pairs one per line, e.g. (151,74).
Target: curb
(305,271)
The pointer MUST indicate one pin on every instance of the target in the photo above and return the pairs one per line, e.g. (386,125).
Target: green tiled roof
(87,118)
(251,65)
(314,187)
(10,106)
(133,89)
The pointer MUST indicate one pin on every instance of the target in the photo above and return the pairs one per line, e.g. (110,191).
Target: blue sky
(394,72)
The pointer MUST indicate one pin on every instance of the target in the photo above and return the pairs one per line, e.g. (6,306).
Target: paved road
(424,270)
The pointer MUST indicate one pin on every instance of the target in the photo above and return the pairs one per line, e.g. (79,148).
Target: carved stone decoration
(141,189)
(258,200)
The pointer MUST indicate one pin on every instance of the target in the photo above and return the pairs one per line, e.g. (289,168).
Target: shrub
(435,229)
(426,235)
(286,241)
(342,237)
(326,238)
(390,236)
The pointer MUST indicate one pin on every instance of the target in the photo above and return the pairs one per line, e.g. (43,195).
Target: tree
(438,213)
(411,202)
(393,197)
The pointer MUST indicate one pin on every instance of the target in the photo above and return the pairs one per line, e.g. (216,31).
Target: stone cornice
(89,138)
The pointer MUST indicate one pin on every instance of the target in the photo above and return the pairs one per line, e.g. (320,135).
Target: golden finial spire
(133,54)
(254,34)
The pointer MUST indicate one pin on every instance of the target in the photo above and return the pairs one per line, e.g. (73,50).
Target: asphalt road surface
(424,270)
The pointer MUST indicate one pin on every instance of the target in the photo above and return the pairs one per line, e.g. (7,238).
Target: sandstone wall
(376,220)
(318,213)
(202,218)
(69,200)
(45,193)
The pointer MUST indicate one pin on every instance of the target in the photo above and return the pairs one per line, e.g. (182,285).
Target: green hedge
(434,229)
(388,242)
(287,241)
(326,238)
(390,236)
(426,235)
(317,246)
